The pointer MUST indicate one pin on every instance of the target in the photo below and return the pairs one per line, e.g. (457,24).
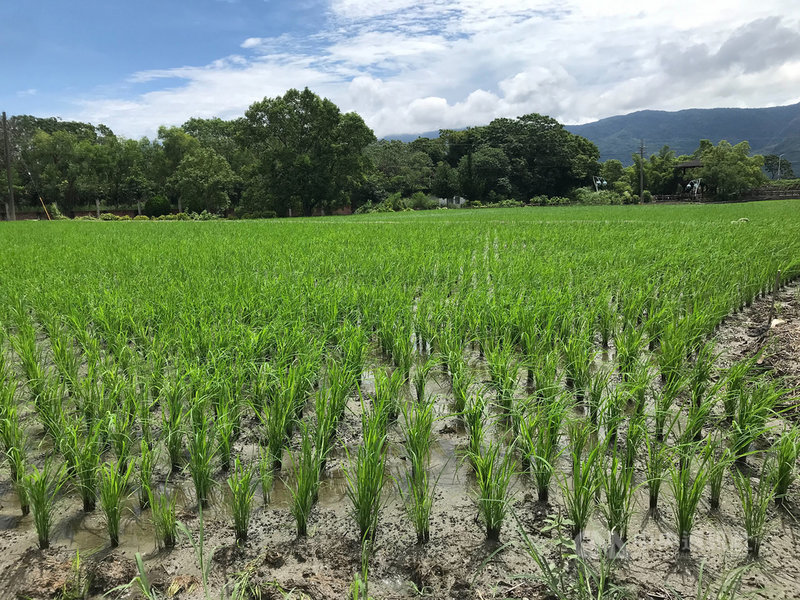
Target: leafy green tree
(156,206)
(202,181)
(400,168)
(445,181)
(705,146)
(435,148)
(458,144)
(58,168)
(216,134)
(490,169)
(310,154)
(659,172)
(730,170)
(175,144)
(612,171)
(775,165)
(544,158)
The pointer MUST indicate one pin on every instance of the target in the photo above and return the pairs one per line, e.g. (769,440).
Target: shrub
(124,218)
(141,218)
(621,188)
(647,196)
(55,213)
(420,201)
(157,206)
(588,196)
(182,216)
(109,217)
(260,214)
(203,216)
(506,203)
(543,200)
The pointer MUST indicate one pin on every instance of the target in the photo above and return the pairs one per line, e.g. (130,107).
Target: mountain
(410,137)
(769,130)
(773,130)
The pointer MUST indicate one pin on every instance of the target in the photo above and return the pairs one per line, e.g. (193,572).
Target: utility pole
(641,169)
(11,211)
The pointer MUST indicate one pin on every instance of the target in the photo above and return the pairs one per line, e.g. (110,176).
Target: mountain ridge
(770,130)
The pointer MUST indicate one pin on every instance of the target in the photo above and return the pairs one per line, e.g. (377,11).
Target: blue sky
(406,66)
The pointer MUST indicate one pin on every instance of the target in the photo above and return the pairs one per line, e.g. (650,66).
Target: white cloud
(410,66)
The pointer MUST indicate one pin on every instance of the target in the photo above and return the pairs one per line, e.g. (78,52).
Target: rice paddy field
(575,402)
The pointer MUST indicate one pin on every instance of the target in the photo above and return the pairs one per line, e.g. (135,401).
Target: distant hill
(769,130)
(410,137)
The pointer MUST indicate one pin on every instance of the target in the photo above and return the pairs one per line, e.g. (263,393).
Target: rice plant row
(576,346)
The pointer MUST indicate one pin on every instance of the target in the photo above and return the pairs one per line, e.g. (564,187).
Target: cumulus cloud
(411,66)
(752,48)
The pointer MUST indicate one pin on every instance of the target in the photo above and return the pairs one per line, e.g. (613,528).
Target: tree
(774,165)
(612,171)
(445,181)
(175,145)
(58,168)
(203,180)
(400,168)
(310,154)
(659,172)
(730,170)
(490,169)
(434,148)
(544,158)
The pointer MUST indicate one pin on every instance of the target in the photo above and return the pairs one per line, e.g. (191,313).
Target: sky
(405,66)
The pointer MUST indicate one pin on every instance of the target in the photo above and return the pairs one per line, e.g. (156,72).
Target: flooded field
(235,382)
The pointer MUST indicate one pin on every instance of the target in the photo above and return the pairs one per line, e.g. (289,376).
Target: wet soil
(457,563)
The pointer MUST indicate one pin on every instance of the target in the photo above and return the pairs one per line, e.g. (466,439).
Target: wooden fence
(749,196)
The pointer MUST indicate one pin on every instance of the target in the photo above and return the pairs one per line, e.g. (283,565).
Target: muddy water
(80,531)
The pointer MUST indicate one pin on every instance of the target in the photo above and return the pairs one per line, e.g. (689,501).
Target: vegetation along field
(560,402)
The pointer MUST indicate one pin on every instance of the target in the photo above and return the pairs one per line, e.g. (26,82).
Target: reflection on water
(82,531)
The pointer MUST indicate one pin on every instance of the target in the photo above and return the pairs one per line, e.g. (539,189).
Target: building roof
(690,164)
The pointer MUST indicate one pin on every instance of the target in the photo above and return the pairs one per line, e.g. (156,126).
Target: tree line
(726,171)
(299,154)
